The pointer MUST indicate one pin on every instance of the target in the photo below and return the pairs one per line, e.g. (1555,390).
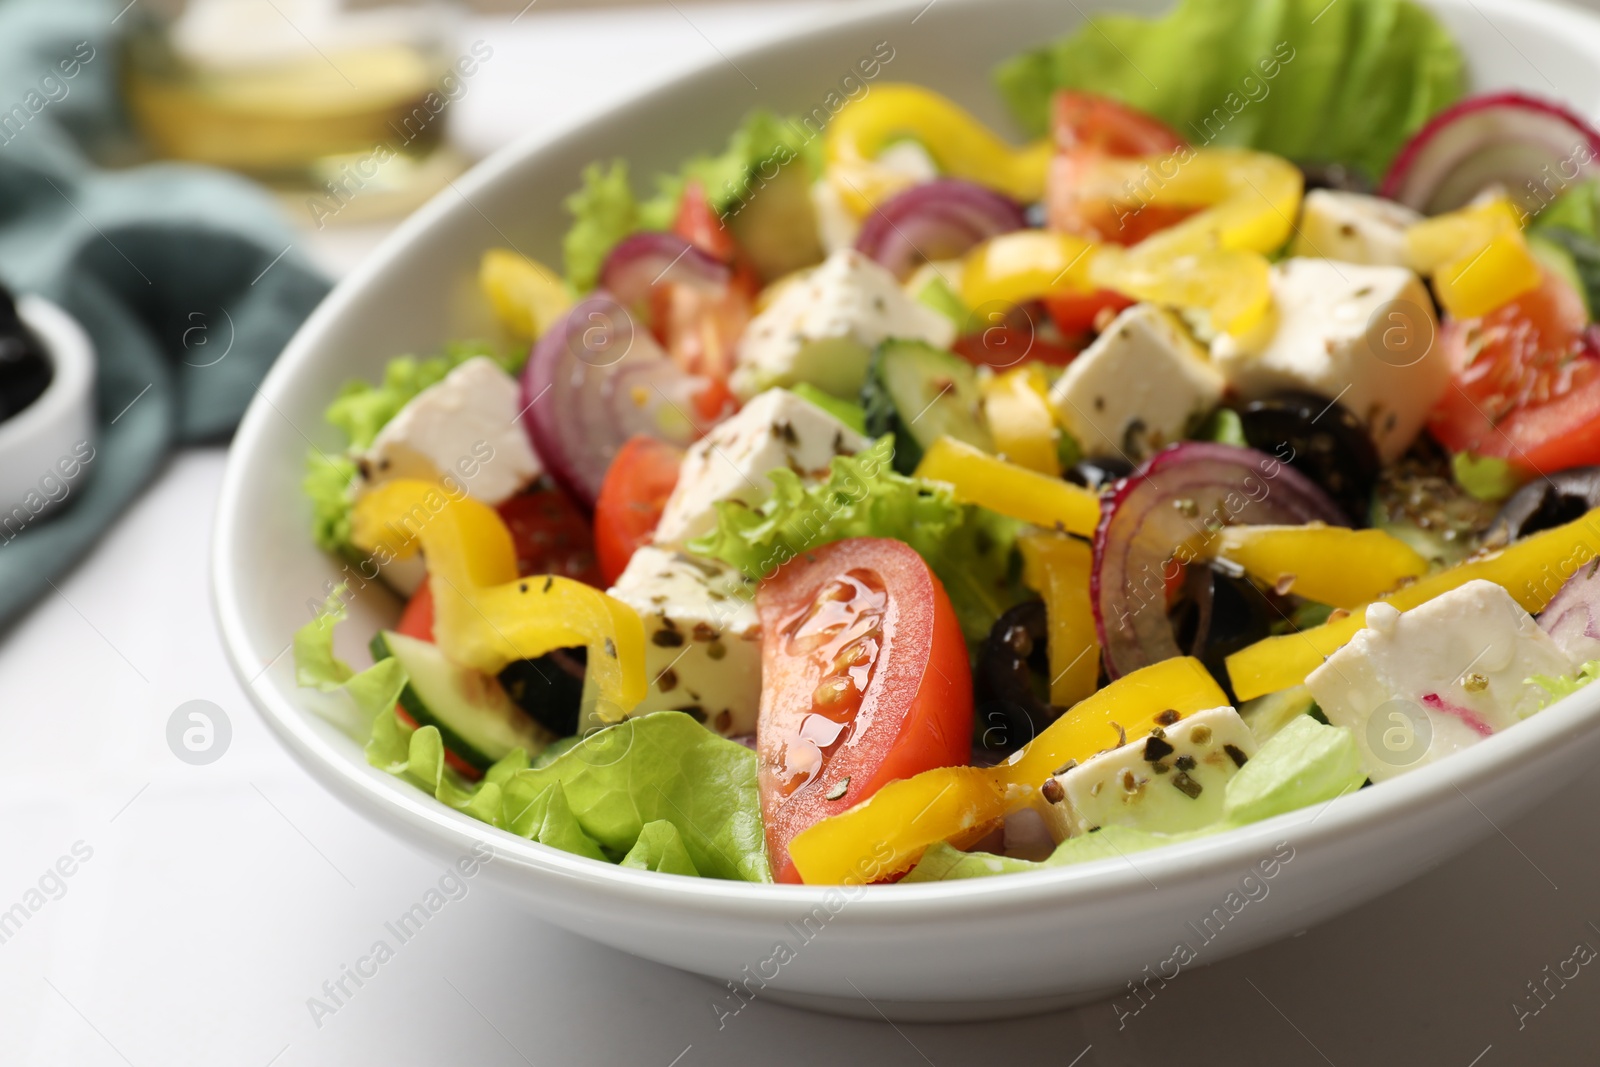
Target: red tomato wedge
(417,618)
(1001,347)
(701,332)
(631,500)
(864,679)
(551,535)
(1089,128)
(1527,383)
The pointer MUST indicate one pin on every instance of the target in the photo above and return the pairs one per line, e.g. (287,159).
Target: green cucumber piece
(475,718)
(921,393)
(1558,259)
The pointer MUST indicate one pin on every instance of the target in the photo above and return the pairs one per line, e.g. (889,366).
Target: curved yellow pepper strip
(975,477)
(1213,260)
(1058,568)
(889,832)
(962,146)
(485,616)
(1531,570)
(1329,564)
(1477,257)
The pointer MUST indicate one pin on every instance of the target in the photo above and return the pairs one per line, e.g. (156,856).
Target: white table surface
(217,899)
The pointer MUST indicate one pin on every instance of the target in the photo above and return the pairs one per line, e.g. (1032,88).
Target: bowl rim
(72,370)
(1484,764)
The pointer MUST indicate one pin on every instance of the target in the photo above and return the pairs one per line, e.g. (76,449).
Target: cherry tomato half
(701,332)
(631,500)
(1088,129)
(865,679)
(1526,386)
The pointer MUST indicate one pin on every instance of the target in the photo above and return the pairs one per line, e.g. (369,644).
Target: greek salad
(890,497)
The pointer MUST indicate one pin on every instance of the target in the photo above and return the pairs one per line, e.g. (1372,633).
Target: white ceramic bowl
(980,948)
(42,446)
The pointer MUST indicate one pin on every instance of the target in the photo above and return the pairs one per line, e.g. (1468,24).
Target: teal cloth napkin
(188,280)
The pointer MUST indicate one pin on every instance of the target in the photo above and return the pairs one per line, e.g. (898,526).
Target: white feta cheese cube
(821,329)
(1418,685)
(776,429)
(1353,228)
(464,427)
(1138,387)
(1365,336)
(702,637)
(1169,782)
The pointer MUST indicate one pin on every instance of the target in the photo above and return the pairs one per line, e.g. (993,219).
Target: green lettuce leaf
(659,792)
(355,699)
(1565,685)
(1346,82)
(603,212)
(969,548)
(605,209)
(1304,763)
(660,848)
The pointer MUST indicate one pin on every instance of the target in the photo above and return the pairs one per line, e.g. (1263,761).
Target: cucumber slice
(1559,259)
(476,720)
(921,393)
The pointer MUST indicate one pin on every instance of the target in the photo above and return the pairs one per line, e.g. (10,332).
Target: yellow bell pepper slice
(527,296)
(1017,267)
(1531,570)
(1020,420)
(1058,569)
(1329,564)
(1212,261)
(962,146)
(485,616)
(975,477)
(1477,256)
(1235,287)
(889,832)
(1250,199)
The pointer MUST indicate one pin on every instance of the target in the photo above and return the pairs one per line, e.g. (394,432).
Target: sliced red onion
(941,219)
(594,380)
(1174,501)
(1533,147)
(641,261)
(1572,618)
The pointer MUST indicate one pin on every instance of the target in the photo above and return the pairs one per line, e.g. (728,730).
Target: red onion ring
(941,219)
(595,379)
(1146,519)
(641,261)
(1509,138)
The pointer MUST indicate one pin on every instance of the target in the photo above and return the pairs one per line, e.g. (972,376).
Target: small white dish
(984,948)
(45,447)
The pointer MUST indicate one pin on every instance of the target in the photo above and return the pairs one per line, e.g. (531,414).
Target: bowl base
(934,1011)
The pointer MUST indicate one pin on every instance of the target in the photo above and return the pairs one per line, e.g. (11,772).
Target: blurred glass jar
(334,97)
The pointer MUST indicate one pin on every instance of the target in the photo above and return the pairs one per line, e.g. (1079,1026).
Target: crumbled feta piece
(822,329)
(464,427)
(1138,387)
(1418,685)
(776,429)
(1365,336)
(702,637)
(1353,228)
(1165,783)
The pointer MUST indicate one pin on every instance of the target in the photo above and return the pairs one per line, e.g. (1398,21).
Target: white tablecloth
(205,905)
